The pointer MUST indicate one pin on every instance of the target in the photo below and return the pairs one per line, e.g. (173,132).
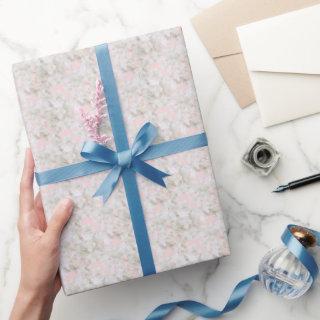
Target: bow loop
(122,160)
(144,138)
(98,153)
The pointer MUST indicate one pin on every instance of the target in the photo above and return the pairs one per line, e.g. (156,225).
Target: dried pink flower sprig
(92,120)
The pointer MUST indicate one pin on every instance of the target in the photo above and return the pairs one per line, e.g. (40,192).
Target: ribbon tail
(109,184)
(202,310)
(149,172)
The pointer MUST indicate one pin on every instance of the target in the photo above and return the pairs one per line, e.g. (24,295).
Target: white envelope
(283,58)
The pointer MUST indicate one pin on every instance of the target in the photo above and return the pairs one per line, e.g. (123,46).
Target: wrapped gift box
(135,232)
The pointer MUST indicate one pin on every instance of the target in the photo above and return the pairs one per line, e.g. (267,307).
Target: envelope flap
(217,25)
(287,43)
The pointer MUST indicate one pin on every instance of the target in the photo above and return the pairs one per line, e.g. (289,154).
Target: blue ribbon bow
(123,160)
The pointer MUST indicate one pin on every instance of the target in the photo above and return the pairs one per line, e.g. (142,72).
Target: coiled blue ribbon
(241,289)
(125,162)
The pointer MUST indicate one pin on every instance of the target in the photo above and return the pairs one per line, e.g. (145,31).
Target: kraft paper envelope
(216,28)
(283,59)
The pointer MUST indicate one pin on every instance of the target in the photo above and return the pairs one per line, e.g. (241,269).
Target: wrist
(32,304)
(34,295)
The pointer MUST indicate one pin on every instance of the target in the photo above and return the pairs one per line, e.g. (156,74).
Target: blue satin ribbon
(85,168)
(241,289)
(125,162)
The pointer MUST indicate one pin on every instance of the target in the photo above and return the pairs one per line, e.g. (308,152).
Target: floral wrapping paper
(155,84)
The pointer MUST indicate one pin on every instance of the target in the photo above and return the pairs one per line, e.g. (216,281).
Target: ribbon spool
(296,239)
(304,236)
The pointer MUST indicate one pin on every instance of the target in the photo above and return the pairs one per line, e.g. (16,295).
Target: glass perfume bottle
(282,273)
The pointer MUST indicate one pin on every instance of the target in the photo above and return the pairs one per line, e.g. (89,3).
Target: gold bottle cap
(305,236)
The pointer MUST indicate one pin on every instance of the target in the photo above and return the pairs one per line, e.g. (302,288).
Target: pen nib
(281,189)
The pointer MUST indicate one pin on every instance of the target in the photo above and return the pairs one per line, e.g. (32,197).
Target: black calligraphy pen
(299,183)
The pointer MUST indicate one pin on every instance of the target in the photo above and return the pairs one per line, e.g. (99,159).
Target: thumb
(61,215)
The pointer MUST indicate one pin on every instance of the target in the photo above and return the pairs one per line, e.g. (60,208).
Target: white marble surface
(255,217)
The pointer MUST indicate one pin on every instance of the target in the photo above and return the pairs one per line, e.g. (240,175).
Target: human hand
(39,249)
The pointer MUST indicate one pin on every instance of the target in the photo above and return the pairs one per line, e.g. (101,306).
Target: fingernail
(67,204)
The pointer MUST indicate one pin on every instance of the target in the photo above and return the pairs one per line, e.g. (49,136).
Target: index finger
(26,184)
